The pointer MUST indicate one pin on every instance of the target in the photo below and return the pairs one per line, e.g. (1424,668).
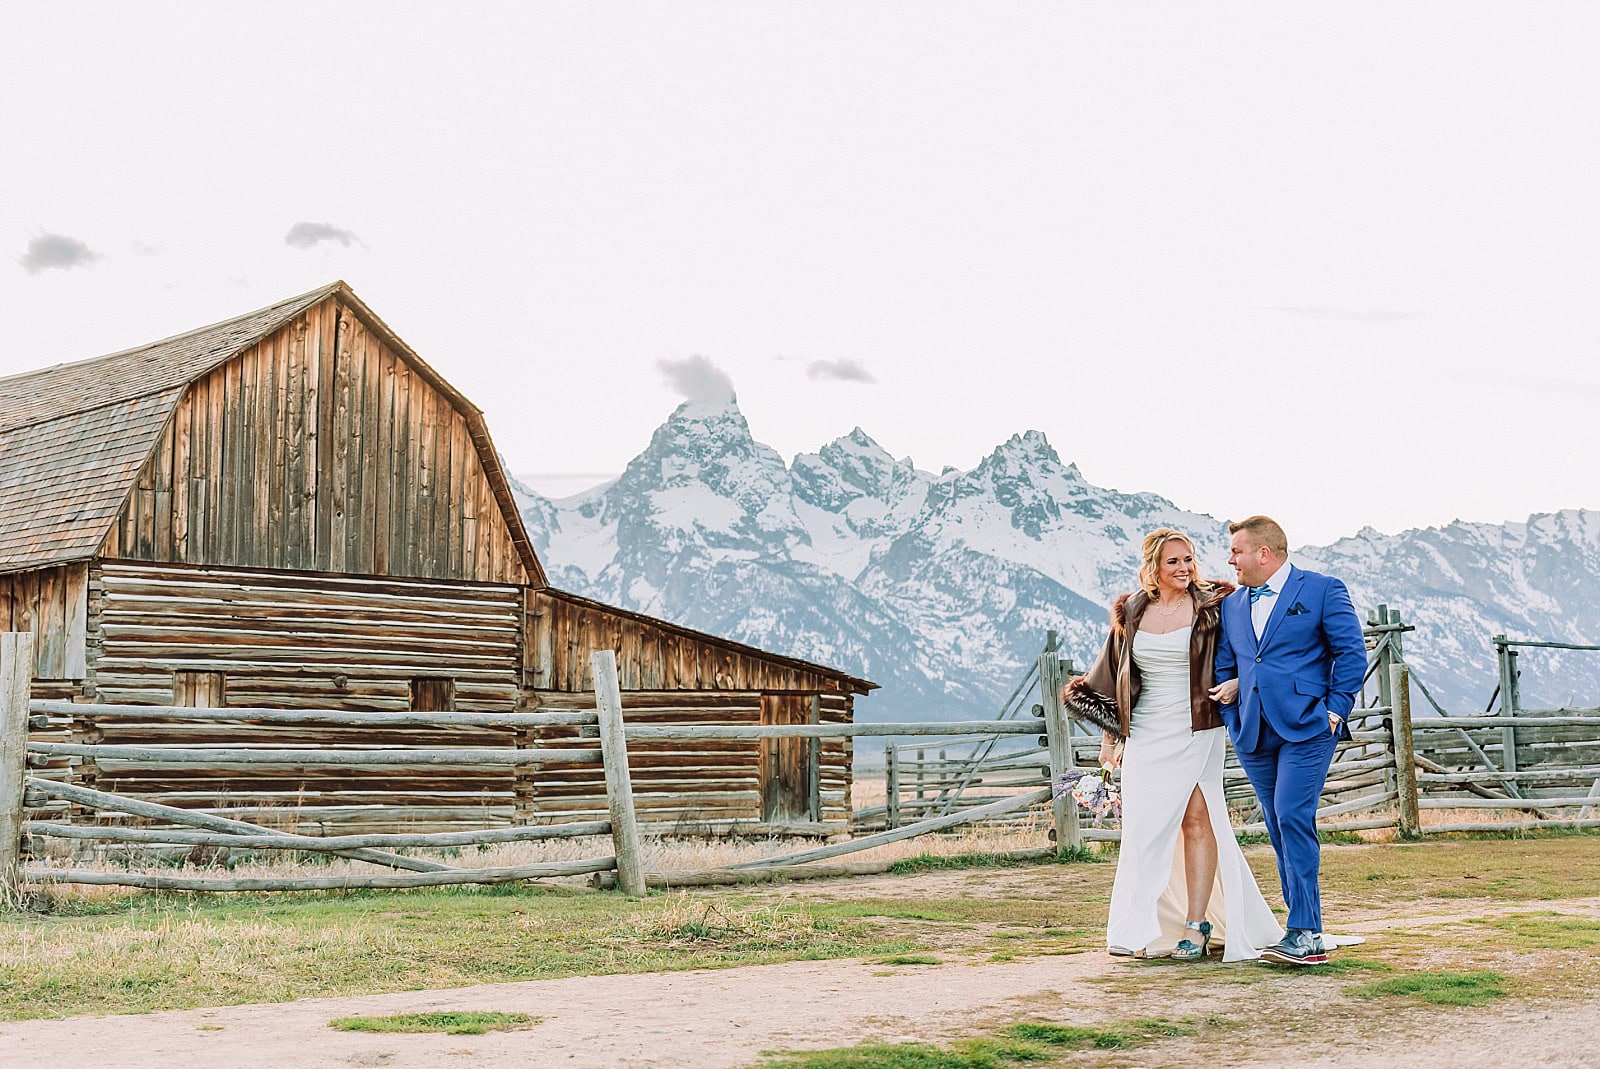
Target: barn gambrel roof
(73,437)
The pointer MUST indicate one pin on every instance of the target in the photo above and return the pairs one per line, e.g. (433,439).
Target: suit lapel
(1241,618)
(1280,608)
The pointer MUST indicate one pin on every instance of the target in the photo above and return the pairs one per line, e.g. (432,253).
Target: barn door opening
(788,766)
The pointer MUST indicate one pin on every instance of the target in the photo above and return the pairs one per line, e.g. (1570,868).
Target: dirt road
(727,1018)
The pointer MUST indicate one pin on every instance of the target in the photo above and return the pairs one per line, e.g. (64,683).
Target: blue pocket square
(1298,609)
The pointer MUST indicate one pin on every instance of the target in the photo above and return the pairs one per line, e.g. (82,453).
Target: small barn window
(199,690)
(433,694)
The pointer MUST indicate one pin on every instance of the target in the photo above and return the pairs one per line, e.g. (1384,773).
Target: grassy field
(1505,921)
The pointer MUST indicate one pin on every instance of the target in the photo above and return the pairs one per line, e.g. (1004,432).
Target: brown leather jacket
(1114,678)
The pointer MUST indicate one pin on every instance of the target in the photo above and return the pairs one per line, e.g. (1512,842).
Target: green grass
(981,859)
(139,953)
(1327,838)
(909,959)
(974,1055)
(1018,1044)
(455,1024)
(1343,963)
(1437,988)
(1118,1036)
(1546,931)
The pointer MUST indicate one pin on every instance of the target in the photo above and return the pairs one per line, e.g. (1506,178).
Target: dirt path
(727,1018)
(1253,1016)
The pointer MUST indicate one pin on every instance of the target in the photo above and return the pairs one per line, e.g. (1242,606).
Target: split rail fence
(34,798)
(1539,767)
(1517,769)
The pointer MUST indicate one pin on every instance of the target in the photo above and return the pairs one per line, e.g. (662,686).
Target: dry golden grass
(659,855)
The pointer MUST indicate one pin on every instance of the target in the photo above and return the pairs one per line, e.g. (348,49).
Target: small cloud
(1356,315)
(839,371)
(56,251)
(144,248)
(308,235)
(697,379)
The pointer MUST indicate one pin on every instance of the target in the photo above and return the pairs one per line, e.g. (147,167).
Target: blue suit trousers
(1288,779)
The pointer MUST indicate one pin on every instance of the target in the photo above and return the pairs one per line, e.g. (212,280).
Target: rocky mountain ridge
(941,587)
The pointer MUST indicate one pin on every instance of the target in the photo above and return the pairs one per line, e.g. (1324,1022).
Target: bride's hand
(1226,693)
(1110,753)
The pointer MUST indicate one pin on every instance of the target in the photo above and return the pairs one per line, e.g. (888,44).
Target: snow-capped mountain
(941,587)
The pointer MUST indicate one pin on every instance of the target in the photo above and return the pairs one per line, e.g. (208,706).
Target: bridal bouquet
(1092,789)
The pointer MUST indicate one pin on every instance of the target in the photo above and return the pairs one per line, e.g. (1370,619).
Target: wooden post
(1388,656)
(1507,658)
(619,785)
(16,677)
(814,764)
(1405,759)
(891,788)
(1058,732)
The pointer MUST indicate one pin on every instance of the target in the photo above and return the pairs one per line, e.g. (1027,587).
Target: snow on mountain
(941,587)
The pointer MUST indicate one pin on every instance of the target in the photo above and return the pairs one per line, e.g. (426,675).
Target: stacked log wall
(563,629)
(305,641)
(688,787)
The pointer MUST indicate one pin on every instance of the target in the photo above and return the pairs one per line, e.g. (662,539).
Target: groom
(1289,666)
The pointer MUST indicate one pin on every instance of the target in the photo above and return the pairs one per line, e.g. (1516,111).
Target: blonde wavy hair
(1150,553)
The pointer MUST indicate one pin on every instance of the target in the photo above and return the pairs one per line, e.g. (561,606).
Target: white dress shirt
(1261,608)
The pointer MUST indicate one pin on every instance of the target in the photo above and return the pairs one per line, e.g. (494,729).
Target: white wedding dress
(1162,763)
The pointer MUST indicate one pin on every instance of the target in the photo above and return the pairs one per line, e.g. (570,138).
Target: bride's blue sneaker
(1299,947)
(1188,949)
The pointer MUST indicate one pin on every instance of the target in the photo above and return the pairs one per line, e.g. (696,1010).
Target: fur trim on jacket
(1106,694)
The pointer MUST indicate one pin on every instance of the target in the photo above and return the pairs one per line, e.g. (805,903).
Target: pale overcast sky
(1337,262)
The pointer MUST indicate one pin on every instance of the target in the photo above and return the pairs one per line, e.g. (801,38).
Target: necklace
(1177,606)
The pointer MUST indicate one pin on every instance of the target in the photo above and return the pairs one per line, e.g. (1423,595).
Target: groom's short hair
(1264,531)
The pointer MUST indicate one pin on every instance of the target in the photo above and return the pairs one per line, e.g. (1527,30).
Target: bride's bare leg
(1199,855)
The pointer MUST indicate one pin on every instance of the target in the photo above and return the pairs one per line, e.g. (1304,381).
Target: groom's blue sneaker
(1299,947)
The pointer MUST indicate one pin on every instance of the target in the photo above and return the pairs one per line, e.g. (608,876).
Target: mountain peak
(1029,445)
(710,407)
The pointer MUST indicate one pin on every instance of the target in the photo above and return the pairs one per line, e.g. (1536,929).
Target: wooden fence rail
(20,792)
(1394,769)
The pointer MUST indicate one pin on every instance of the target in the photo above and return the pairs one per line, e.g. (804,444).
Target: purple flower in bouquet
(1092,789)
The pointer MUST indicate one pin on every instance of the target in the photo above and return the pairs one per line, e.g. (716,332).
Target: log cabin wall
(320,449)
(563,629)
(672,675)
(687,787)
(52,604)
(172,634)
(303,641)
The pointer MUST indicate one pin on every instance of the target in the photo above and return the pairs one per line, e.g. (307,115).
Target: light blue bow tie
(1263,591)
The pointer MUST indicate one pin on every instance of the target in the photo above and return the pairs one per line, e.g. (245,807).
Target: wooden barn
(291,509)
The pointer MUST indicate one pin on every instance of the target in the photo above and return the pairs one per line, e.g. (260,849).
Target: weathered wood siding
(320,449)
(303,641)
(563,629)
(681,785)
(53,604)
(316,800)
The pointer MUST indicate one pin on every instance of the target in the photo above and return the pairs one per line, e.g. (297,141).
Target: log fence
(1522,768)
(1394,768)
(36,804)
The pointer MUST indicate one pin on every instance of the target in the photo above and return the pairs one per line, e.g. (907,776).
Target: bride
(1182,881)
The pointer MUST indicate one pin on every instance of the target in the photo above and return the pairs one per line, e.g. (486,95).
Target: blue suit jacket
(1309,661)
